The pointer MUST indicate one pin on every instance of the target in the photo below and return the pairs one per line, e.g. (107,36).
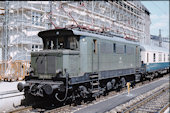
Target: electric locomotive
(76,64)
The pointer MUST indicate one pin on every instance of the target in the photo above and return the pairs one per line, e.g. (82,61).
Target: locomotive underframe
(81,85)
(83,89)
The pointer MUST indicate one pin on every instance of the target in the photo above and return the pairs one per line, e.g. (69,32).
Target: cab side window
(95,46)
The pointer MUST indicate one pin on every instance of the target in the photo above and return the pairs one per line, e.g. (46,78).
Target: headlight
(58,71)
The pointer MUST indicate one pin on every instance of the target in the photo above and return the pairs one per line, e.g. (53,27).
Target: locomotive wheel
(116,86)
(151,77)
(123,82)
(30,99)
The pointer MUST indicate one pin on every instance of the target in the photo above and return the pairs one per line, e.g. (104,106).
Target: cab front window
(71,42)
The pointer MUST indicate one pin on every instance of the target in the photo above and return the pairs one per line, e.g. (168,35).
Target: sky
(159,16)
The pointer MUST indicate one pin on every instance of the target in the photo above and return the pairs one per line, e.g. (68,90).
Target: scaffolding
(19,37)
(22,20)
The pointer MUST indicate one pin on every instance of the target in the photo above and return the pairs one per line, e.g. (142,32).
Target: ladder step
(94,79)
(95,91)
(93,76)
(94,84)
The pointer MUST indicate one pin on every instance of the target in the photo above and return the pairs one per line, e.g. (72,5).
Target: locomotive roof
(69,32)
(53,33)
(114,37)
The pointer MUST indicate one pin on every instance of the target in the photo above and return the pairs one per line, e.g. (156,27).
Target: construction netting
(13,71)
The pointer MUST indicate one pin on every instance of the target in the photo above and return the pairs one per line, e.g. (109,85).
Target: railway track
(22,110)
(63,109)
(9,94)
(68,108)
(157,102)
(164,108)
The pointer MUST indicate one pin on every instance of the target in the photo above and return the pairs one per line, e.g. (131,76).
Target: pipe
(56,95)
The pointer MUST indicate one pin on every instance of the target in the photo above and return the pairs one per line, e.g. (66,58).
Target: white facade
(146,36)
(24,19)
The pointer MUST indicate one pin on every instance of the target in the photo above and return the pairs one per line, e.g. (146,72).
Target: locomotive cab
(50,66)
(58,45)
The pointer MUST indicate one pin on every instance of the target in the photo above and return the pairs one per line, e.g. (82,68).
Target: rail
(9,92)
(20,110)
(145,100)
(164,108)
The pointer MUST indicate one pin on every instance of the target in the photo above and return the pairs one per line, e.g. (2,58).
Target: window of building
(114,48)
(154,57)
(36,21)
(128,20)
(120,3)
(117,16)
(33,19)
(36,46)
(40,19)
(36,18)
(124,5)
(134,11)
(128,7)
(131,21)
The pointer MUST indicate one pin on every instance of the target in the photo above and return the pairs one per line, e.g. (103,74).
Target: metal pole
(128,87)
(51,13)
(5,37)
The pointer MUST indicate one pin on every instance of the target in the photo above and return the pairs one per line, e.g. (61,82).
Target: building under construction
(22,20)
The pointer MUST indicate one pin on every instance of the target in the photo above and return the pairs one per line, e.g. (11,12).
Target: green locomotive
(77,63)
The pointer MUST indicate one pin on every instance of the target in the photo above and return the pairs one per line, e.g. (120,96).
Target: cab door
(95,56)
(137,55)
